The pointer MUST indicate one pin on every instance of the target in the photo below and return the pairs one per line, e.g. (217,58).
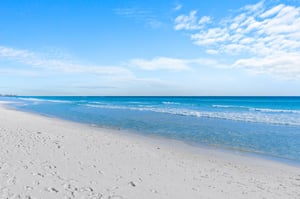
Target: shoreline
(125,165)
(181,145)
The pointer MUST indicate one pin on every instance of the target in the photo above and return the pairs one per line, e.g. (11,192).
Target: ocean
(268,126)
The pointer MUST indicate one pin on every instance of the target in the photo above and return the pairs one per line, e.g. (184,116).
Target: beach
(43,157)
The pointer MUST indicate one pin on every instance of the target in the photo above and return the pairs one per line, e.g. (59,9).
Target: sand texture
(44,157)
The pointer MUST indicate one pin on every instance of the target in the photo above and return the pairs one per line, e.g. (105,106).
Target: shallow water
(264,125)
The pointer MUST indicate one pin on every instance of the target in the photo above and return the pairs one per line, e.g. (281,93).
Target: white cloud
(41,61)
(212,36)
(212,51)
(171,64)
(284,65)
(272,11)
(254,7)
(178,7)
(257,33)
(190,22)
(140,15)
(160,63)
(14,53)
(204,20)
(39,64)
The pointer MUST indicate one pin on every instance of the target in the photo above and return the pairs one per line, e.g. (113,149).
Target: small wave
(171,103)
(97,103)
(257,117)
(44,100)
(266,110)
(30,99)
(136,102)
(275,110)
(229,106)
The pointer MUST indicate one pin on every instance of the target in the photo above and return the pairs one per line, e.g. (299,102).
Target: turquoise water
(263,125)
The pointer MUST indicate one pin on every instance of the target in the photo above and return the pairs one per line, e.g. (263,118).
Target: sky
(150,47)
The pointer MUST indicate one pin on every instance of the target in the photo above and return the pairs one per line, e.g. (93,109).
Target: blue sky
(150,47)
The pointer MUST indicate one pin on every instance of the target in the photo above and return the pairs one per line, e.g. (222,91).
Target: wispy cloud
(94,87)
(170,64)
(18,72)
(160,63)
(191,21)
(41,64)
(42,61)
(260,37)
(146,16)
(286,65)
(178,7)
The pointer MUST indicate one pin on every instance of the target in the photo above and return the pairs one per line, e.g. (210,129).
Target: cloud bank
(264,38)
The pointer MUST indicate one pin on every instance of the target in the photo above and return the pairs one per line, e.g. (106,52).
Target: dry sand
(44,157)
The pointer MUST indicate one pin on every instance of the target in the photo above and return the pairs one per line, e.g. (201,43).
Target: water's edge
(180,144)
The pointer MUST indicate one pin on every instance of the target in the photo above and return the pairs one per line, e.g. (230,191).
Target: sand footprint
(28,188)
(12,180)
(51,189)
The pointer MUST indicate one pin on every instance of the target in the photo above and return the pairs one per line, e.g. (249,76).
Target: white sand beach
(43,157)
